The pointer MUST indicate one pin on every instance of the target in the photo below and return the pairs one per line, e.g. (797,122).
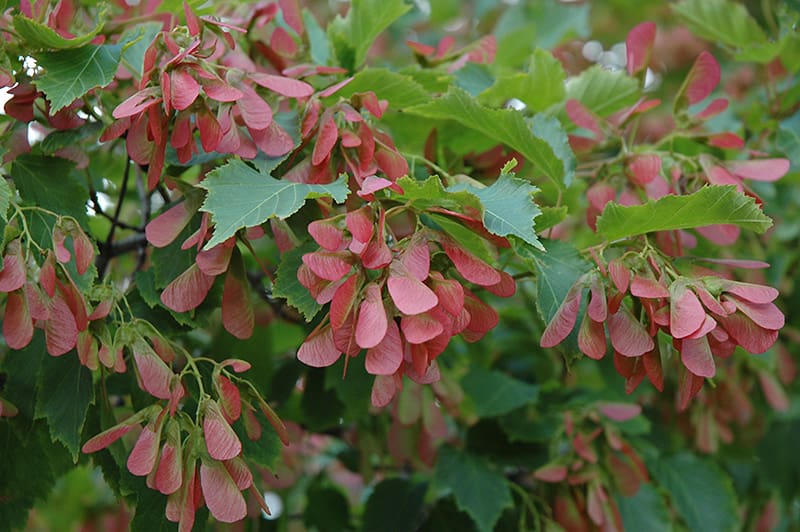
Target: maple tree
(356,260)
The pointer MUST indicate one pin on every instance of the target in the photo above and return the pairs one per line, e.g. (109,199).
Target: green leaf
(787,139)
(396,501)
(551,216)
(39,36)
(22,368)
(720,21)
(51,183)
(503,125)
(701,492)
(494,393)
(239,197)
(469,240)
(136,40)
(478,490)
(509,209)
(603,91)
(556,270)
(430,193)
(539,88)
(329,509)
(709,205)
(69,74)
(646,510)
(5,199)
(474,78)
(353,35)
(289,288)
(317,40)
(30,466)
(368,18)
(69,394)
(399,90)
(265,451)
(550,130)
(149,514)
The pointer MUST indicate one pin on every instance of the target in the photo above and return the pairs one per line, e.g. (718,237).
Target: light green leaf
(239,197)
(69,394)
(709,205)
(69,74)
(604,92)
(399,90)
(646,510)
(701,492)
(539,88)
(557,269)
(431,193)
(503,125)
(318,41)
(509,209)
(39,36)
(720,21)
(494,393)
(551,216)
(289,288)
(353,35)
(478,490)
(5,199)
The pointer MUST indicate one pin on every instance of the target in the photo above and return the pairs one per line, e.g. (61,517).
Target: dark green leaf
(264,451)
(289,288)
(69,74)
(494,393)
(239,197)
(503,125)
(720,21)
(321,407)
(395,504)
(399,90)
(69,394)
(39,36)
(644,511)
(23,367)
(478,490)
(700,491)
(709,205)
(778,462)
(149,514)
(327,509)
(30,466)
(603,91)
(539,88)
(50,182)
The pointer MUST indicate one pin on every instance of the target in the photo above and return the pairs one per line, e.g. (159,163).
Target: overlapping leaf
(539,88)
(708,206)
(239,197)
(603,91)
(40,36)
(495,393)
(503,125)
